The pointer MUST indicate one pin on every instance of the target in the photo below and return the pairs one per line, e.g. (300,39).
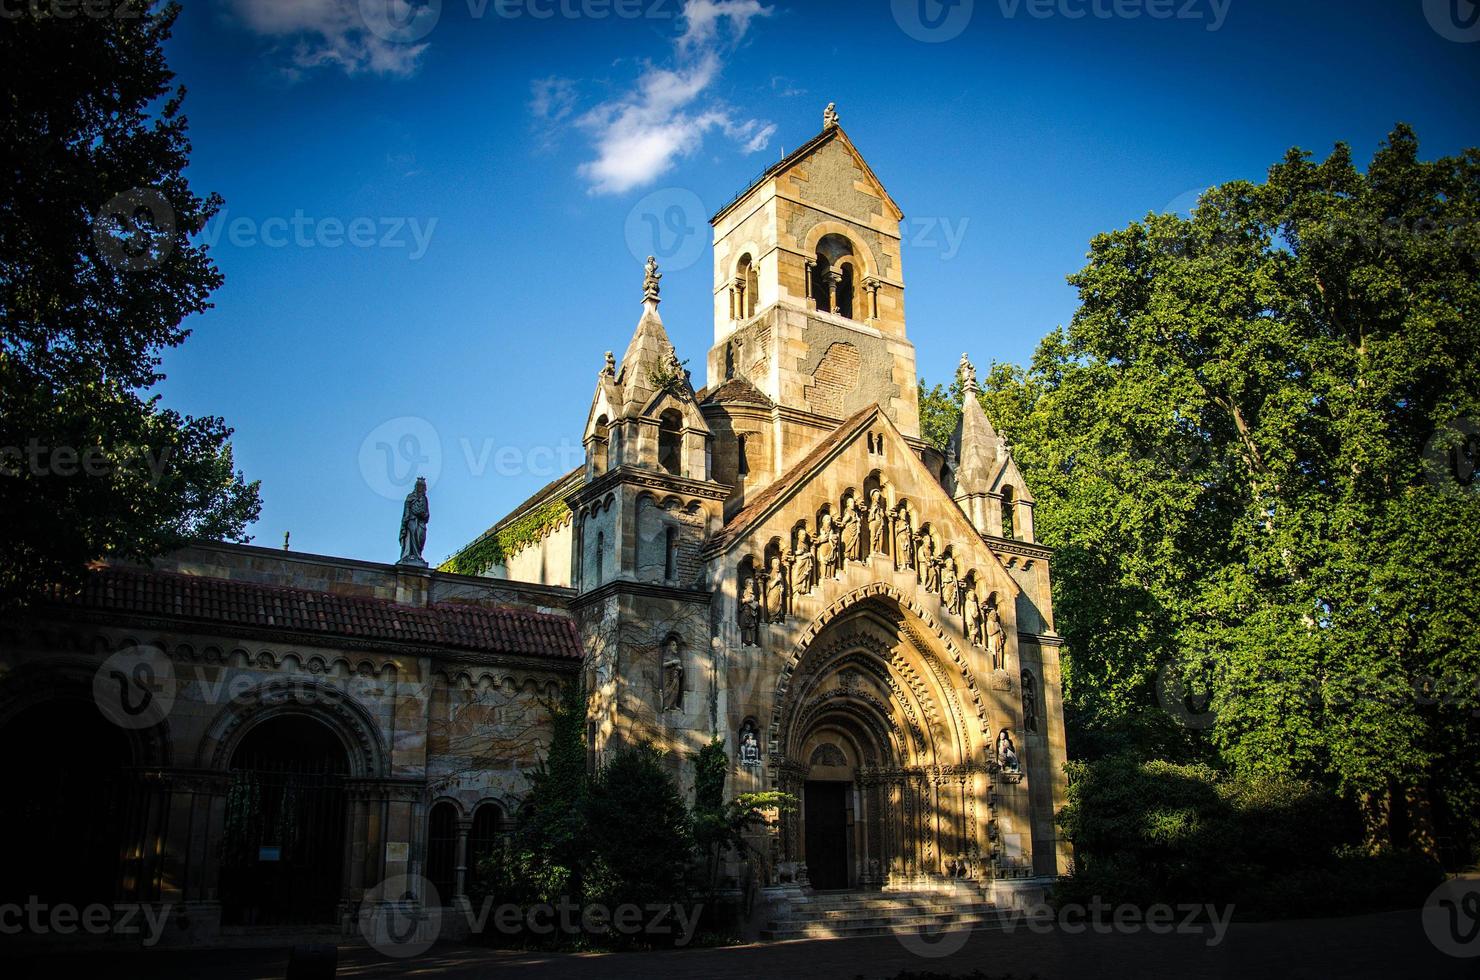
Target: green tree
(551,847)
(720,826)
(97,274)
(641,836)
(1251,449)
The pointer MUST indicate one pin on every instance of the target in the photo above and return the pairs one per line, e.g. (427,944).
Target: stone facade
(875,610)
(775,558)
(424,687)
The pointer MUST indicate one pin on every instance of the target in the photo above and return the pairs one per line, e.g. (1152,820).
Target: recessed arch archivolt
(349,720)
(926,628)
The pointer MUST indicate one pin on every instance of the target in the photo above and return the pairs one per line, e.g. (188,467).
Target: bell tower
(809,294)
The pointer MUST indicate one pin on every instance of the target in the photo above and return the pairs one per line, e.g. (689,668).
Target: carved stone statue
(749,615)
(835,538)
(650,278)
(996,636)
(949,593)
(971,612)
(827,551)
(776,593)
(966,372)
(610,370)
(830,115)
(672,675)
(852,531)
(804,565)
(1007,756)
(414,517)
(877,517)
(928,566)
(904,540)
(750,745)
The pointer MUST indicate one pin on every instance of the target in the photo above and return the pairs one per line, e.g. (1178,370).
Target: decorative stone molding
(345,716)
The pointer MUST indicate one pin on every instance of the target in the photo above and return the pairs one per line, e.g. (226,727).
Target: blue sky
(434,224)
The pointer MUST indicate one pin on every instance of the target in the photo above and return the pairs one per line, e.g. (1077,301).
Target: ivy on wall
(496,547)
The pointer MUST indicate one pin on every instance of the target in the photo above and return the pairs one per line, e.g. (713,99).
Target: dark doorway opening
(826,812)
(283,851)
(75,815)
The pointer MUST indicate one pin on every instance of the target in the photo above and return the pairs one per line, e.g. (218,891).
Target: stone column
(460,890)
(834,280)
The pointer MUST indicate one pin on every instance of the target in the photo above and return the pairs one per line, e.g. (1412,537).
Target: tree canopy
(1253,450)
(97,275)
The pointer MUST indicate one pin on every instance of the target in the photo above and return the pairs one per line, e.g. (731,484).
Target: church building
(770,554)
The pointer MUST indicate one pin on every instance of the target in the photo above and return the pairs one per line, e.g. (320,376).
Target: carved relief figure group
(855,535)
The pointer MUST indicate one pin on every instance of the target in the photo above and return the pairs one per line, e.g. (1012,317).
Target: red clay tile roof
(453,626)
(774,493)
(734,390)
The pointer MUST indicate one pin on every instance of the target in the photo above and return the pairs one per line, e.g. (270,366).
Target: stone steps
(875,914)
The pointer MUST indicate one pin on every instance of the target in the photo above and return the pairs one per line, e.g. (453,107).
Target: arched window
(1007,511)
(670,442)
(486,835)
(743,290)
(670,553)
(742,461)
(598,446)
(442,850)
(833,275)
(1030,702)
(600,554)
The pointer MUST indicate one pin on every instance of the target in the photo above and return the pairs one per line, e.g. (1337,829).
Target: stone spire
(649,354)
(976,443)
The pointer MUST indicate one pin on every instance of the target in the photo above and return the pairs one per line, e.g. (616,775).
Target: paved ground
(1391,945)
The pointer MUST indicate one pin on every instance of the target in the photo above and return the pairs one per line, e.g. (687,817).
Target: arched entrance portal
(872,738)
(283,850)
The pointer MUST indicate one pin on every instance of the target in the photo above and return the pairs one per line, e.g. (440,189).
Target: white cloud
(641,135)
(382,37)
(702,17)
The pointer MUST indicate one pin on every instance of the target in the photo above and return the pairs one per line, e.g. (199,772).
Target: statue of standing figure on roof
(966,372)
(650,278)
(829,115)
(414,517)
